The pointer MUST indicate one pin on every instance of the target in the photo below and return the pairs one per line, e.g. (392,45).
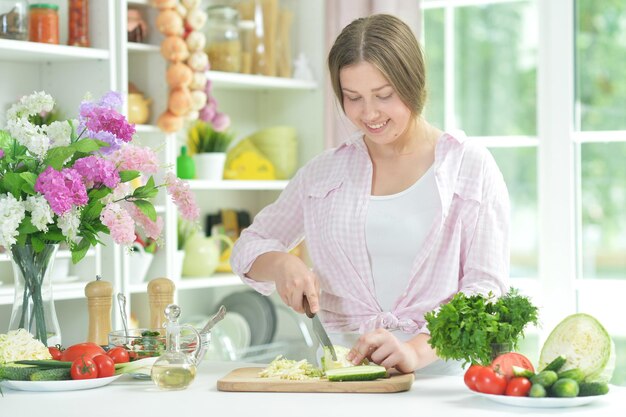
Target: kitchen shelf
(190,283)
(142,48)
(24,51)
(69,291)
(236,81)
(237,185)
(138,2)
(60,254)
(147,129)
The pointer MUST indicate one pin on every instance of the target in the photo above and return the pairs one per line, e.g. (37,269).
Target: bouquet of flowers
(70,181)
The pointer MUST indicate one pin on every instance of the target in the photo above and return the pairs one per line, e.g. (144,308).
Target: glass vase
(33,305)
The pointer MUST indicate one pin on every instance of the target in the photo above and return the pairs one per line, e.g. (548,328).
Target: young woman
(397,219)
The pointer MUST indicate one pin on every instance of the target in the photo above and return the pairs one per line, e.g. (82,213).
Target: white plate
(548,402)
(70,385)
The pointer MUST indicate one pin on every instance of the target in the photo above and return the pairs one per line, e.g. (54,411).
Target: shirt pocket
(322,203)
(469,189)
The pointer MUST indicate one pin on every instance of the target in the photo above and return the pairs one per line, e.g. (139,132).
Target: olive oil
(173,376)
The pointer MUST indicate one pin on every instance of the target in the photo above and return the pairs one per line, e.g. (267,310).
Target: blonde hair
(389,44)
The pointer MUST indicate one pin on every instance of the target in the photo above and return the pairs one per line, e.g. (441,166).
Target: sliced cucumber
(519,371)
(357,373)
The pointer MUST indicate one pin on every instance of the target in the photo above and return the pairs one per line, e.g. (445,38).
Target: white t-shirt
(395,229)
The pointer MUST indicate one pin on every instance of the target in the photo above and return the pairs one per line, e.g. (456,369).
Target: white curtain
(338,14)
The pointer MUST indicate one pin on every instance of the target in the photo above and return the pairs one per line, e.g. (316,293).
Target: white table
(429,396)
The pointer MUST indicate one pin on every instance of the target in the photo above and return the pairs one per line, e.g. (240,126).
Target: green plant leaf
(27,227)
(29,177)
(56,157)
(79,251)
(88,145)
(126,176)
(146,208)
(13,182)
(37,243)
(96,194)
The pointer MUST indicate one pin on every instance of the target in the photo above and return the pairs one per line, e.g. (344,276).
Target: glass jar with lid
(14,19)
(43,23)
(223,43)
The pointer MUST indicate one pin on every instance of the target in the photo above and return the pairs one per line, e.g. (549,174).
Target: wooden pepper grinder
(99,301)
(160,295)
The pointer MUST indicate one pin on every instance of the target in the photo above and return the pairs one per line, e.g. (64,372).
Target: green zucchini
(588,389)
(576,374)
(17,372)
(51,374)
(357,373)
(46,363)
(556,364)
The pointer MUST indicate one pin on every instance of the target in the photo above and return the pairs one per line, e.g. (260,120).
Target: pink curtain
(338,14)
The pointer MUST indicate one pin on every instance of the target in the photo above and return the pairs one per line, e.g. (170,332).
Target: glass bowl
(150,343)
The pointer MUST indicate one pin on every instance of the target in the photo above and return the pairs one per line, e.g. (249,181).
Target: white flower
(12,213)
(26,133)
(41,213)
(69,223)
(59,133)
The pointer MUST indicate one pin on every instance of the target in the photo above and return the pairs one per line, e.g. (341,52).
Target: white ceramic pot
(210,165)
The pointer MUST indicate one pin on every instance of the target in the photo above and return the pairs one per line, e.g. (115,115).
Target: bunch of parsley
(466,327)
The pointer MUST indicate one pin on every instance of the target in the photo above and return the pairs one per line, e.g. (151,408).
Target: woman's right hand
(293,279)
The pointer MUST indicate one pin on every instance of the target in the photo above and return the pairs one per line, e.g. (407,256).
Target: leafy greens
(466,327)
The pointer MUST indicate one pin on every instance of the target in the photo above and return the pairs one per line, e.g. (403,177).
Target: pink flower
(97,171)
(152,229)
(182,196)
(220,122)
(136,158)
(1,153)
(109,120)
(119,222)
(62,189)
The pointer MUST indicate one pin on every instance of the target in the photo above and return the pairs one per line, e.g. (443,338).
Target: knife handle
(307,307)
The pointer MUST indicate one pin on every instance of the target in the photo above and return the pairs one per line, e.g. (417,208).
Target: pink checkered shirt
(466,249)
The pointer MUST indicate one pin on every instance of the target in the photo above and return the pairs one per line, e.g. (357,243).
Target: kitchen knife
(319,329)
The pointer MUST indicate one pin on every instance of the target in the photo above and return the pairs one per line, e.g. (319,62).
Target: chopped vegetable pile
(20,345)
(284,368)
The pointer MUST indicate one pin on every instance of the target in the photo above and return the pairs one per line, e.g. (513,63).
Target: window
(550,103)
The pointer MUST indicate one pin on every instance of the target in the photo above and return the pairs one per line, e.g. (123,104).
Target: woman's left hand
(383,348)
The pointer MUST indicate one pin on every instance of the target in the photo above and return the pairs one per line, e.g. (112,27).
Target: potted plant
(208,146)
(475,328)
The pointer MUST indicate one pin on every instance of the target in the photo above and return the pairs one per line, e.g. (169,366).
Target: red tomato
(119,354)
(518,387)
(490,382)
(83,368)
(55,352)
(505,362)
(470,376)
(105,365)
(88,350)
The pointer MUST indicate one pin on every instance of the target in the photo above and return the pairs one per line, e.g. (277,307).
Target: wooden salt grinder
(160,295)
(99,301)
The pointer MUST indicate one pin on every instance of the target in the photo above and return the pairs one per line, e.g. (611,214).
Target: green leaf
(79,251)
(37,243)
(27,227)
(54,236)
(96,194)
(146,208)
(56,157)
(13,183)
(6,141)
(146,191)
(88,145)
(29,177)
(126,176)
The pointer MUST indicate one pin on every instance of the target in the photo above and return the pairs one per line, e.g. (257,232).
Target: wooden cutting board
(247,380)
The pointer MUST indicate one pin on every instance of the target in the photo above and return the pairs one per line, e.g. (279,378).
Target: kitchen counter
(429,396)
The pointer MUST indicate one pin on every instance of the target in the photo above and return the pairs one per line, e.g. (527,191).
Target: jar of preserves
(14,19)
(78,23)
(223,44)
(43,23)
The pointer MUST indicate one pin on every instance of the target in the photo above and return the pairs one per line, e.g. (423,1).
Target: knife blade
(318,328)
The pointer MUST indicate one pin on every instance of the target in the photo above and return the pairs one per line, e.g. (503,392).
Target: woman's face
(371,103)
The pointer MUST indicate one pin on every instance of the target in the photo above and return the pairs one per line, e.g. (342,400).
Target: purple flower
(97,171)
(114,143)
(109,120)
(1,153)
(103,121)
(62,189)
